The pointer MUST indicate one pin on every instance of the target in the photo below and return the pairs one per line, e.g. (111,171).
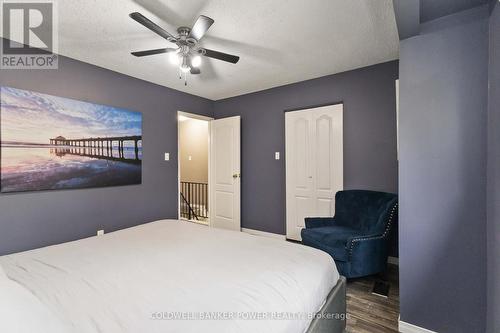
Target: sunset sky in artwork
(32,117)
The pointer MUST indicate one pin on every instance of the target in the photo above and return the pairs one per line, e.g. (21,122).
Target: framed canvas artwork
(52,143)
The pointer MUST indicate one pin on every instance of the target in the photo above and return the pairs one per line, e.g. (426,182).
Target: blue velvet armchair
(357,237)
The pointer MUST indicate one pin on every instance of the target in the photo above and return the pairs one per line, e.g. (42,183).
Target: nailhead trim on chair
(386,232)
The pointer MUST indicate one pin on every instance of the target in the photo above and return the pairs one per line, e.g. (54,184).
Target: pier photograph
(52,143)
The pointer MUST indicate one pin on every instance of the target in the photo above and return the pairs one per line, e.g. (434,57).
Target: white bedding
(139,279)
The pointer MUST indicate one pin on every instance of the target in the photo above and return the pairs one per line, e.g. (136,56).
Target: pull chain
(185,76)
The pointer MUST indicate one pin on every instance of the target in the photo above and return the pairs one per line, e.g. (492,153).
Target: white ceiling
(279,41)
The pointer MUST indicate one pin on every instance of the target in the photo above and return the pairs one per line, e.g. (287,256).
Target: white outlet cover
(277,155)
(100,232)
(167,157)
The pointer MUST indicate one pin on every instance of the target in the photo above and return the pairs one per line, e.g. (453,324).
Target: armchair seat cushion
(330,239)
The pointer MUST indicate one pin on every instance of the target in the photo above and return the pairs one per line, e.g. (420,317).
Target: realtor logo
(29,34)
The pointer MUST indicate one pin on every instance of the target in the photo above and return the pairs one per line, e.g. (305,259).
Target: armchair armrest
(367,254)
(317,222)
(371,243)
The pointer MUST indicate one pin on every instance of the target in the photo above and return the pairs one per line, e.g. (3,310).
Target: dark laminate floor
(370,313)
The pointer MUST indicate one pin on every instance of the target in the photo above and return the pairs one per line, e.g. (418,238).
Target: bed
(172,276)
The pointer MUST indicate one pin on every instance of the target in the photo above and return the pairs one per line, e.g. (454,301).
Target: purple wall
(494,175)
(407,17)
(36,219)
(32,220)
(370,160)
(433,9)
(443,120)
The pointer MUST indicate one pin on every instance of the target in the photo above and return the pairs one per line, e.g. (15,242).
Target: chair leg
(383,276)
(381,286)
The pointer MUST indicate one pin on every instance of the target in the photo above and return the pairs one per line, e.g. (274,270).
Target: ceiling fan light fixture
(196,61)
(187,57)
(174,59)
(185,64)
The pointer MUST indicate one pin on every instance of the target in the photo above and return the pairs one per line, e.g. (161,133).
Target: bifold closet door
(314,164)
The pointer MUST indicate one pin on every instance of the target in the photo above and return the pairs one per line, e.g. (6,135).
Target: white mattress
(141,279)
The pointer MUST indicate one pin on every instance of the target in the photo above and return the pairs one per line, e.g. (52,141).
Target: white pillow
(22,312)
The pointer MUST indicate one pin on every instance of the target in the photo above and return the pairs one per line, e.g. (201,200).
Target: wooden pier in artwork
(95,153)
(96,147)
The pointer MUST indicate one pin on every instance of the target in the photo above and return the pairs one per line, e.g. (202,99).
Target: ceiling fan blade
(201,26)
(220,55)
(152,52)
(152,26)
(195,70)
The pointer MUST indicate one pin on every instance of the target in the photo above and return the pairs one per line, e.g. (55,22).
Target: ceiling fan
(187,54)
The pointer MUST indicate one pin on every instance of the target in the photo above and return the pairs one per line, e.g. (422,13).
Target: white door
(314,164)
(299,171)
(225,178)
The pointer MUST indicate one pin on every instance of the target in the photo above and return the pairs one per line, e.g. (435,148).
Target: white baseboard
(409,328)
(263,233)
(393,260)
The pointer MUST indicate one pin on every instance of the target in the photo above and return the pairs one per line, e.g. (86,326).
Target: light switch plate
(167,157)
(100,232)
(277,155)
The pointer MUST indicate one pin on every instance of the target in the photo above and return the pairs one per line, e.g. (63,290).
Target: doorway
(194,162)
(209,176)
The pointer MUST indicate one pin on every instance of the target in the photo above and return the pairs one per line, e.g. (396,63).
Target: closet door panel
(300,186)
(328,159)
(314,164)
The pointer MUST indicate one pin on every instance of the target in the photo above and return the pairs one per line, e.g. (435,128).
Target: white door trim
(405,327)
(193,116)
(199,117)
